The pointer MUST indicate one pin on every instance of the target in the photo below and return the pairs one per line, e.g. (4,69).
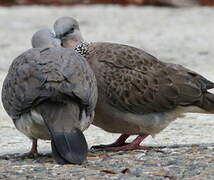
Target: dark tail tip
(69,148)
(207,102)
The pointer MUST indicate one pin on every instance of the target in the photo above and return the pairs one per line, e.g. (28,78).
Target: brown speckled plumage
(134,82)
(138,94)
(137,82)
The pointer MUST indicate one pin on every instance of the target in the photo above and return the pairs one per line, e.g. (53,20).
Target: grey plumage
(51,93)
(68,28)
(65,26)
(138,94)
(45,38)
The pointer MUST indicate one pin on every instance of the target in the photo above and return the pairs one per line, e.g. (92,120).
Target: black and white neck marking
(82,48)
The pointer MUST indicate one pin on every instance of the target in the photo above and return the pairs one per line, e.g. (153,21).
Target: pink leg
(33,152)
(134,145)
(121,145)
(119,142)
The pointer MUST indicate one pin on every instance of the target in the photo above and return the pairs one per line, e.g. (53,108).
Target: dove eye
(68,32)
(71,30)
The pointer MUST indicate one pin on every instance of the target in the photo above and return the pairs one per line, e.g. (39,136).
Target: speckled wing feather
(40,74)
(135,81)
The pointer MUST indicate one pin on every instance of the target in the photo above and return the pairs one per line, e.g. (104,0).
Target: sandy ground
(184,36)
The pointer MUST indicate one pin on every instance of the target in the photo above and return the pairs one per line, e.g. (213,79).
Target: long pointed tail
(67,141)
(207,102)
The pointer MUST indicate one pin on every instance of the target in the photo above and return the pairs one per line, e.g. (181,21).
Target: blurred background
(176,31)
(179,3)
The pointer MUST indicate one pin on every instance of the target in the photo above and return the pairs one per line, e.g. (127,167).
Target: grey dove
(50,93)
(138,94)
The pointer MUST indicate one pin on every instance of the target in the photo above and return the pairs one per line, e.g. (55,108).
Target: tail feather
(58,158)
(71,147)
(67,141)
(207,102)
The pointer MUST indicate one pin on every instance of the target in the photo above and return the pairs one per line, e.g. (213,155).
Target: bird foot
(106,146)
(124,147)
(31,155)
(128,147)
(121,145)
(33,152)
(119,142)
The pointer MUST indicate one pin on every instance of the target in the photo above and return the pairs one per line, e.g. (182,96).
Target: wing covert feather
(135,81)
(39,74)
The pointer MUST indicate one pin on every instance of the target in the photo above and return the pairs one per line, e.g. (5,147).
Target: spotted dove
(50,93)
(138,94)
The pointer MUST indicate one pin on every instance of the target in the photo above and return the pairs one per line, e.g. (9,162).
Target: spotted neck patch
(82,48)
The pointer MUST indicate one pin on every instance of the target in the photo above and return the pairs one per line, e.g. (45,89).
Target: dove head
(68,31)
(44,38)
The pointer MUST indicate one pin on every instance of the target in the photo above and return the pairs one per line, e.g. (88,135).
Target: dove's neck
(82,48)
